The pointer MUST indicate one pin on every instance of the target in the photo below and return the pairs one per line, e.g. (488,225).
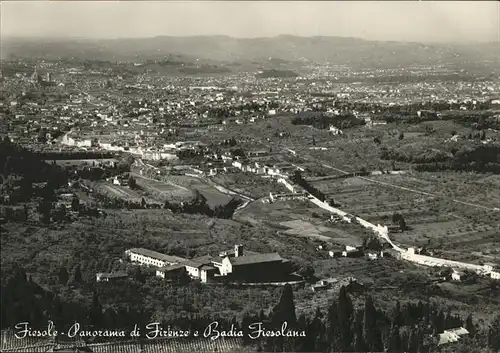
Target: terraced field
(213,196)
(249,184)
(121,192)
(163,190)
(301,219)
(441,213)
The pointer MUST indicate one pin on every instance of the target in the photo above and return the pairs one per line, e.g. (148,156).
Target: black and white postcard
(256,176)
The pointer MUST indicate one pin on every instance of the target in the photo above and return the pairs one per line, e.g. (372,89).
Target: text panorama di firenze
(155,330)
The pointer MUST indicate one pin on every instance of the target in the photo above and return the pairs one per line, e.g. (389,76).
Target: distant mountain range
(282,49)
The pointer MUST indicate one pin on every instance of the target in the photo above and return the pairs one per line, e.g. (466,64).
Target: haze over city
(395,21)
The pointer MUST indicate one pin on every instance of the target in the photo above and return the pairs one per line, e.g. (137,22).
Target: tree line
(343,326)
(323,121)
(197,205)
(477,158)
(299,180)
(16,160)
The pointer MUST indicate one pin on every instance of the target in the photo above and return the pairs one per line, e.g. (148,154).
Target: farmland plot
(163,190)
(121,192)
(213,196)
(295,219)
(249,184)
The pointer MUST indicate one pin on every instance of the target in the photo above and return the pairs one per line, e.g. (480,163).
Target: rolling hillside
(336,50)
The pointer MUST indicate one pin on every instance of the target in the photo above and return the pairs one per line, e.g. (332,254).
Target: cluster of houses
(335,131)
(65,200)
(232,265)
(458,274)
(121,180)
(354,251)
(276,170)
(350,284)
(459,269)
(228,162)
(110,276)
(134,146)
(452,335)
(273,197)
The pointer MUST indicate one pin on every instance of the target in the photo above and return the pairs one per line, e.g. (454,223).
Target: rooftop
(198,262)
(156,255)
(171,268)
(254,259)
(452,335)
(118,274)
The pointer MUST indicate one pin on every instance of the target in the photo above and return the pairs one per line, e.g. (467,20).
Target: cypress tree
(404,339)
(419,310)
(262,316)
(395,344)
(344,304)
(284,311)
(95,314)
(407,314)
(494,334)
(63,275)
(371,332)
(397,317)
(469,325)
(345,309)
(245,322)
(439,322)
(77,276)
(302,344)
(312,339)
(456,321)
(315,333)
(359,343)
(413,342)
(448,321)
(109,318)
(426,313)
(332,327)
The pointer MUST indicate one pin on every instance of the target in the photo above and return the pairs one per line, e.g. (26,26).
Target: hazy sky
(395,20)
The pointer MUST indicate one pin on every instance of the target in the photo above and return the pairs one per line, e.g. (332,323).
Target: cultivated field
(163,190)
(121,192)
(249,184)
(442,211)
(302,219)
(213,196)
(177,188)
